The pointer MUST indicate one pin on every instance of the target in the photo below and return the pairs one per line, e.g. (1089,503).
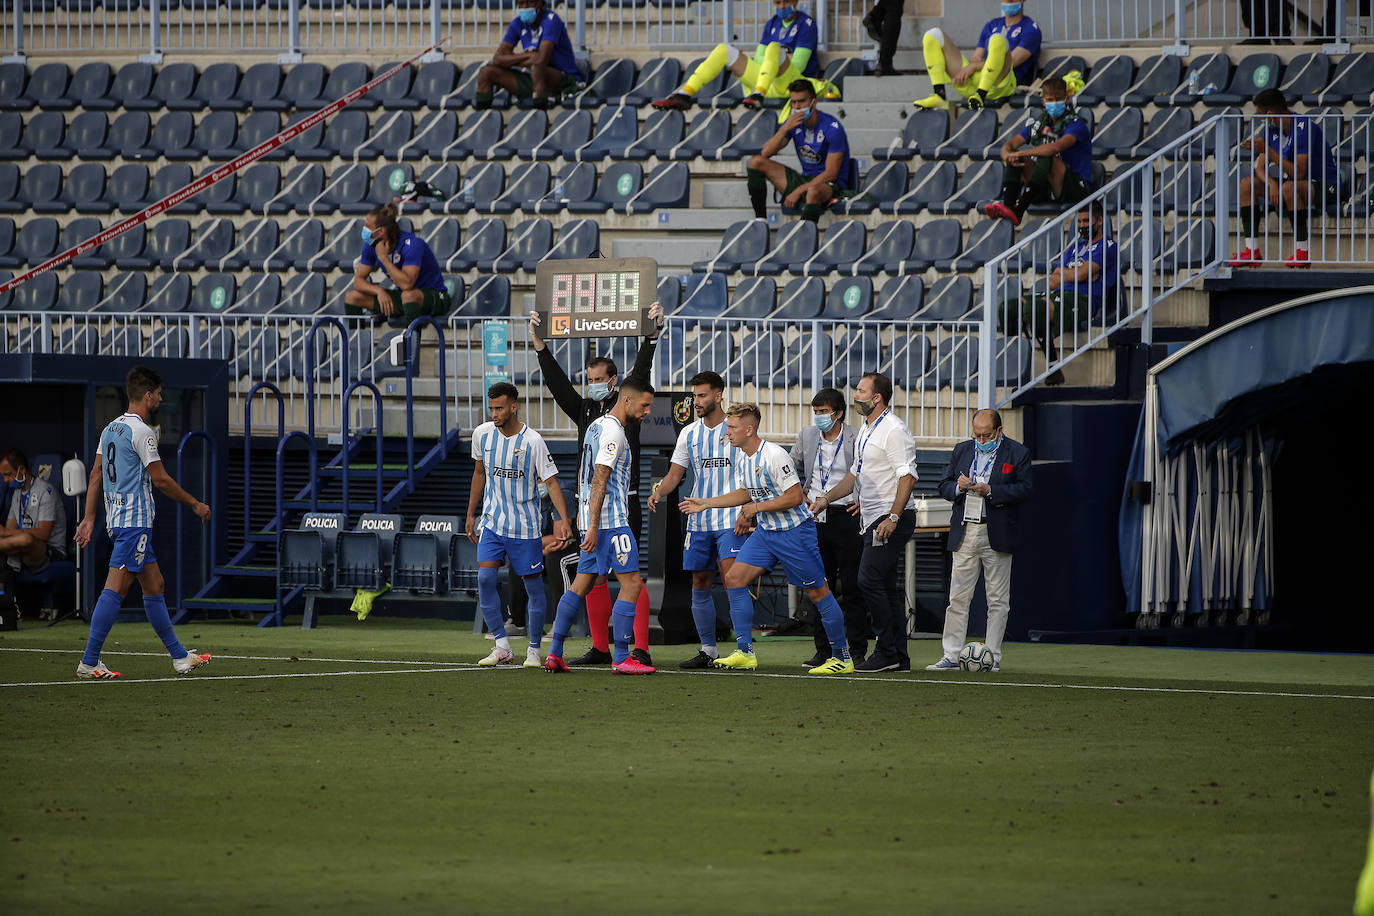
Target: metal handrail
(248,443)
(412,337)
(214,541)
(310,393)
(377,404)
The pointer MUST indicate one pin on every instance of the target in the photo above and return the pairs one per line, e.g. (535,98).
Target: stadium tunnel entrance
(1245,511)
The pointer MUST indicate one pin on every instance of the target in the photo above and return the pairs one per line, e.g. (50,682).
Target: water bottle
(468,196)
(1209,88)
(558,190)
(1194,79)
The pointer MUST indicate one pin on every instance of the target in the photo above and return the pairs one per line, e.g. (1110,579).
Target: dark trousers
(888,14)
(838,537)
(882,592)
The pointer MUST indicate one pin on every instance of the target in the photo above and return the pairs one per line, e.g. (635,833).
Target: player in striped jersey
(711,540)
(769,493)
(126,469)
(608,542)
(510,460)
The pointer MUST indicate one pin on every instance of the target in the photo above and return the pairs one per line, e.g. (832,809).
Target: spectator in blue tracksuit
(823,149)
(544,69)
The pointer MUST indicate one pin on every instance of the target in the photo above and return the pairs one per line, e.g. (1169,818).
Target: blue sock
(489,599)
(102,618)
(742,617)
(623,626)
(536,610)
(155,608)
(832,618)
(563,621)
(704,615)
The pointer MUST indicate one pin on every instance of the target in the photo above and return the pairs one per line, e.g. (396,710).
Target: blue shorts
(617,551)
(133,548)
(796,549)
(526,555)
(703,550)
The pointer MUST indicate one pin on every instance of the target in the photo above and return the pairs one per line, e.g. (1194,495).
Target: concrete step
(674,254)
(886,88)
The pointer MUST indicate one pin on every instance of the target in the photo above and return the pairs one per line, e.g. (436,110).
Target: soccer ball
(976,657)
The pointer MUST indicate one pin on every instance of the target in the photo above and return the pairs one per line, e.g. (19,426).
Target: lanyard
(825,471)
(862,445)
(24,497)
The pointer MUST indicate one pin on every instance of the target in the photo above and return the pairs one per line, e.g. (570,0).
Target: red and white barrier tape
(216,176)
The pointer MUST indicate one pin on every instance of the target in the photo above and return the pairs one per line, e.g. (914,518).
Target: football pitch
(374,767)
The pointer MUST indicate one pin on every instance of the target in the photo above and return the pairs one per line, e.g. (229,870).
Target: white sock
(1300,246)
(711,651)
(1251,243)
(503,642)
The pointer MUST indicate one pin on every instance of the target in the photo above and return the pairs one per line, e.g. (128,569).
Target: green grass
(492,791)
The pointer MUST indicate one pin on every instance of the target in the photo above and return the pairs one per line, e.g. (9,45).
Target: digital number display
(602,297)
(588,294)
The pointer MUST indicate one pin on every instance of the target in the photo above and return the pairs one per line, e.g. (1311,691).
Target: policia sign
(595,297)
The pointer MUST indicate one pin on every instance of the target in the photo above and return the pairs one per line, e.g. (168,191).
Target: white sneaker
(532,659)
(498,656)
(96,672)
(943,664)
(191,662)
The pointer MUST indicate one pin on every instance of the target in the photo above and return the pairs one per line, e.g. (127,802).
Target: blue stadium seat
(394,93)
(662,132)
(87,135)
(79,340)
(301,294)
(431,136)
(480,186)
(1350,83)
(12,125)
(1013,120)
(1305,74)
(6,242)
(1211,69)
(127,341)
(949,299)
(955,364)
(306,143)
(754,297)
(889,246)
(1108,81)
(299,188)
(481,131)
(14,78)
(257,128)
(259,355)
(127,187)
(434,81)
(462,93)
(216,87)
(577,239)
(745,241)
(339,251)
(219,343)
(704,137)
(1042,250)
(530,240)
(259,295)
(342,80)
(36,241)
(213,241)
(40,187)
(798,365)
(258,90)
(329,356)
(1254,73)
(334,299)
(216,136)
(616,129)
(761,355)
(489,297)
(981,183)
(43,136)
(656,79)
(386,185)
(985,241)
(1360,145)
(610,81)
(841,246)
(704,295)
(669,294)
(1058,66)
(483,241)
(133,82)
(1014,361)
(573,182)
(48,86)
(1164,128)
(173,83)
(344,133)
(525,131)
(390,134)
(77,231)
(220,193)
(909,362)
(214,293)
(442,236)
(303,85)
(939,239)
(803,298)
(169,293)
(130,136)
(172,135)
(257,185)
(880,190)
(619,182)
(748,137)
(860,351)
(849,298)
(300,240)
(1121,128)
(125,293)
(529,181)
(420,558)
(1156,75)
(347,185)
(127,245)
(36,295)
(932,183)
(667,186)
(1180,186)
(256,243)
(794,246)
(971,134)
(84,189)
(925,130)
(1190,246)
(308,555)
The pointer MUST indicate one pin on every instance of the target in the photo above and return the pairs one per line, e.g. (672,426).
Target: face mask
(599,391)
(863,407)
(986,448)
(1055,109)
(17,483)
(527,16)
(824,421)
(1010,9)
(1085,234)
(787,12)
(804,112)
(367,236)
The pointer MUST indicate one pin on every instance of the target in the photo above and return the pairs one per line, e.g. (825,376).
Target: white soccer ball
(976,657)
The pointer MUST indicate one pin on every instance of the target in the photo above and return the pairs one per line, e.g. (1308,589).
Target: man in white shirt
(882,477)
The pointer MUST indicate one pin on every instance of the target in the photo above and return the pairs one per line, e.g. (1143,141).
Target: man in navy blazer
(988,478)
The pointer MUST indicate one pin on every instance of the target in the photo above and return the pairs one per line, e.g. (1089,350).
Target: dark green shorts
(1035,311)
(524,84)
(1074,190)
(796,179)
(436,302)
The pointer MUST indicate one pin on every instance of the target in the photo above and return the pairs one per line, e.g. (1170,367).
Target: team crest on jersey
(622,558)
(518,454)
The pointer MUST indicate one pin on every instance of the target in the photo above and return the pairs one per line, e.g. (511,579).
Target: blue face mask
(824,421)
(804,112)
(787,12)
(986,448)
(367,236)
(1010,9)
(1056,109)
(17,483)
(527,16)
(599,391)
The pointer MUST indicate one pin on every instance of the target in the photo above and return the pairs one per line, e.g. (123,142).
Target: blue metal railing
(248,444)
(347,446)
(211,476)
(412,338)
(330,321)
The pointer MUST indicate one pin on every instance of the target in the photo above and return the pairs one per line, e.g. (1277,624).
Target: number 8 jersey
(127,447)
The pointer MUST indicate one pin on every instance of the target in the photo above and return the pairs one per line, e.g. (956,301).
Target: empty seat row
(322,556)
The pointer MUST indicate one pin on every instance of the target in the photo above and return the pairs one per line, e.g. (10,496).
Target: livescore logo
(562,324)
(565,325)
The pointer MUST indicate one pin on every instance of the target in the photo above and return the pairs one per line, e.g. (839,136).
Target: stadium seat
(390,135)
(704,137)
(889,245)
(87,135)
(794,246)
(299,188)
(704,295)
(420,558)
(14,78)
(329,357)
(79,340)
(394,94)
(1360,145)
(385,186)
(530,240)
(1190,246)
(127,187)
(1157,75)
(713,350)
(77,231)
(218,343)
(257,128)
(256,243)
(1041,250)
(216,87)
(339,251)
(7,242)
(617,129)
(949,299)
(343,79)
(442,236)
(303,85)
(131,83)
(574,183)
(1350,83)
(128,244)
(1164,128)
(433,134)
(481,131)
(127,341)
(909,362)
(35,241)
(258,90)
(40,188)
(216,136)
(1108,81)
(43,136)
(84,189)
(954,364)
(169,293)
(1058,66)
(1254,73)
(611,80)
(347,185)
(762,354)
(580,238)
(125,293)
(463,92)
(880,190)
(489,297)
(36,295)
(937,240)
(803,298)
(925,130)
(745,241)
(214,293)
(860,351)
(1180,187)
(849,298)
(529,181)
(301,294)
(300,240)
(12,125)
(932,183)
(256,186)
(748,137)
(433,83)
(526,130)
(841,246)
(338,290)
(213,241)
(985,241)
(130,136)
(619,182)
(258,296)
(754,297)
(667,186)
(47,88)
(971,134)
(661,134)
(344,133)
(1013,120)
(1013,362)
(1306,74)
(1121,128)
(669,293)
(308,555)
(484,240)
(479,187)
(171,136)
(656,79)
(1211,70)
(173,83)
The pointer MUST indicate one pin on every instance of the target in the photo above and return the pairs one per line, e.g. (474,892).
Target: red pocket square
(1008,468)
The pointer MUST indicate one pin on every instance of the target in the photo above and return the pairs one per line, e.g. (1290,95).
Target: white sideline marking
(262,658)
(235,677)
